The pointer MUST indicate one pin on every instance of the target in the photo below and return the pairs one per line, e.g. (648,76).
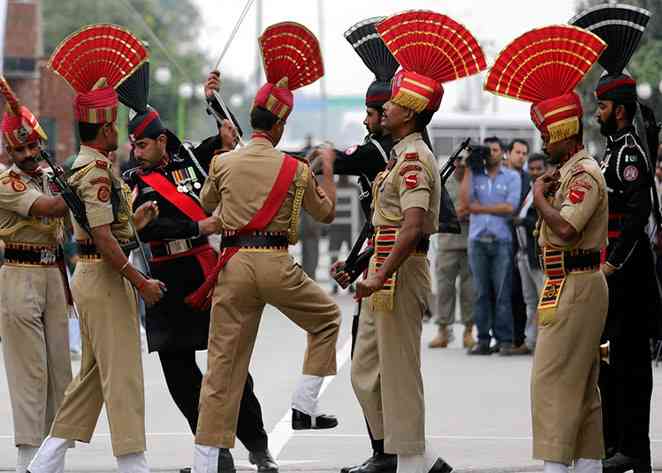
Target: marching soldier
(104,280)
(369,159)
(254,268)
(169,176)
(567,422)
(33,307)
(635,308)
(386,374)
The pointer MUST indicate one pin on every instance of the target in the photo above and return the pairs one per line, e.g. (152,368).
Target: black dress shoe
(264,461)
(377,463)
(620,463)
(301,421)
(440,466)
(225,461)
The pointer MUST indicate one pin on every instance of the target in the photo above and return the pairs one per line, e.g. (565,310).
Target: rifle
(75,204)
(357,262)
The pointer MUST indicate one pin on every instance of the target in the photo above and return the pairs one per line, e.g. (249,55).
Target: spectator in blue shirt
(490,193)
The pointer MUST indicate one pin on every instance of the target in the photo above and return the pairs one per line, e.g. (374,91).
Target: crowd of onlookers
(493,261)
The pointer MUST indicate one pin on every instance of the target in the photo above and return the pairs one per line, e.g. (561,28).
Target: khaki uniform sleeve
(94,189)
(581,199)
(416,184)
(315,200)
(17,197)
(210,196)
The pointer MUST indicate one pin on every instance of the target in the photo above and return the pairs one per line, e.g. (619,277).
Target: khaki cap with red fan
(94,61)
(432,49)
(19,125)
(543,66)
(292,59)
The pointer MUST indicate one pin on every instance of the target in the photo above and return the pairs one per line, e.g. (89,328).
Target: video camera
(477,159)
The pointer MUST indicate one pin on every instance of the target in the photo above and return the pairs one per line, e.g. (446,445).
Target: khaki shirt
(18,192)
(93,181)
(239,182)
(413,181)
(582,201)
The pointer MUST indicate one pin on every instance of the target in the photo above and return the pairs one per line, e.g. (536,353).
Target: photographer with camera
(490,193)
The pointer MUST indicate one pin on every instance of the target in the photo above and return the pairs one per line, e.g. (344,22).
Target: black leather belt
(160,249)
(255,240)
(88,249)
(556,262)
(38,256)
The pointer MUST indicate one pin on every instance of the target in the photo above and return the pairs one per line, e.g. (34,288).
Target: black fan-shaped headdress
(621,26)
(134,91)
(375,55)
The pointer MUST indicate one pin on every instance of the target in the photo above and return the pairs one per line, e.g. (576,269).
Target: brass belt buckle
(178,246)
(47,257)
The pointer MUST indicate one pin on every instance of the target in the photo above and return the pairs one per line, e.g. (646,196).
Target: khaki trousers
(111,364)
(248,282)
(35,345)
(386,368)
(565,400)
(449,265)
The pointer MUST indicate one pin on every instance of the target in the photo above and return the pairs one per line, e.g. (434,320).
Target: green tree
(175,22)
(645,66)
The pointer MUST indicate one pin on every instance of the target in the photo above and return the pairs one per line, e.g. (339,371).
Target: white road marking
(282,431)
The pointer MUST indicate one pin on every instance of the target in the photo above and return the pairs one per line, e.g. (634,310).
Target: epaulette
(411,156)
(577,169)
(101,164)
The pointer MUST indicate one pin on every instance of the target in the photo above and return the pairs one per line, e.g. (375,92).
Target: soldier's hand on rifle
(209,225)
(151,291)
(145,214)
(338,273)
(213,83)
(548,183)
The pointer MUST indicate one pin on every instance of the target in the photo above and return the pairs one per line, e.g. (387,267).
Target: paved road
(477,410)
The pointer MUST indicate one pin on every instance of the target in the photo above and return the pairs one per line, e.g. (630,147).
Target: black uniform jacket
(634,296)
(171,324)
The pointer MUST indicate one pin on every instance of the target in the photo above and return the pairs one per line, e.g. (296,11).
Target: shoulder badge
(101,164)
(409,167)
(577,169)
(630,173)
(18,185)
(411,181)
(103,194)
(411,156)
(101,180)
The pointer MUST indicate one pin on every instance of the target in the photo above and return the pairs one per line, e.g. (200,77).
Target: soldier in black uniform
(172,176)
(634,299)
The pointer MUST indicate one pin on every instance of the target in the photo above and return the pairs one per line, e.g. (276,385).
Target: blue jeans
(492,269)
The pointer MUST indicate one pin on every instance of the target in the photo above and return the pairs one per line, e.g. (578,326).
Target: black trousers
(184,380)
(626,385)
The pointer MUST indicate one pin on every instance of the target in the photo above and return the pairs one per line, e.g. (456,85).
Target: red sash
(201,298)
(168,191)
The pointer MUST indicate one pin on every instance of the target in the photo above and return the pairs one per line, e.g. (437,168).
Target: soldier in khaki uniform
(103,288)
(573,217)
(386,373)
(33,307)
(257,192)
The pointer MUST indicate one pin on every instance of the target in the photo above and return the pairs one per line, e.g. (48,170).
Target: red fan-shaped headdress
(94,61)
(19,125)
(543,66)
(432,49)
(292,59)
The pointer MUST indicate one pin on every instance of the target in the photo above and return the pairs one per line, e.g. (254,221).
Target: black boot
(440,466)
(264,461)
(225,461)
(378,463)
(620,463)
(301,421)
